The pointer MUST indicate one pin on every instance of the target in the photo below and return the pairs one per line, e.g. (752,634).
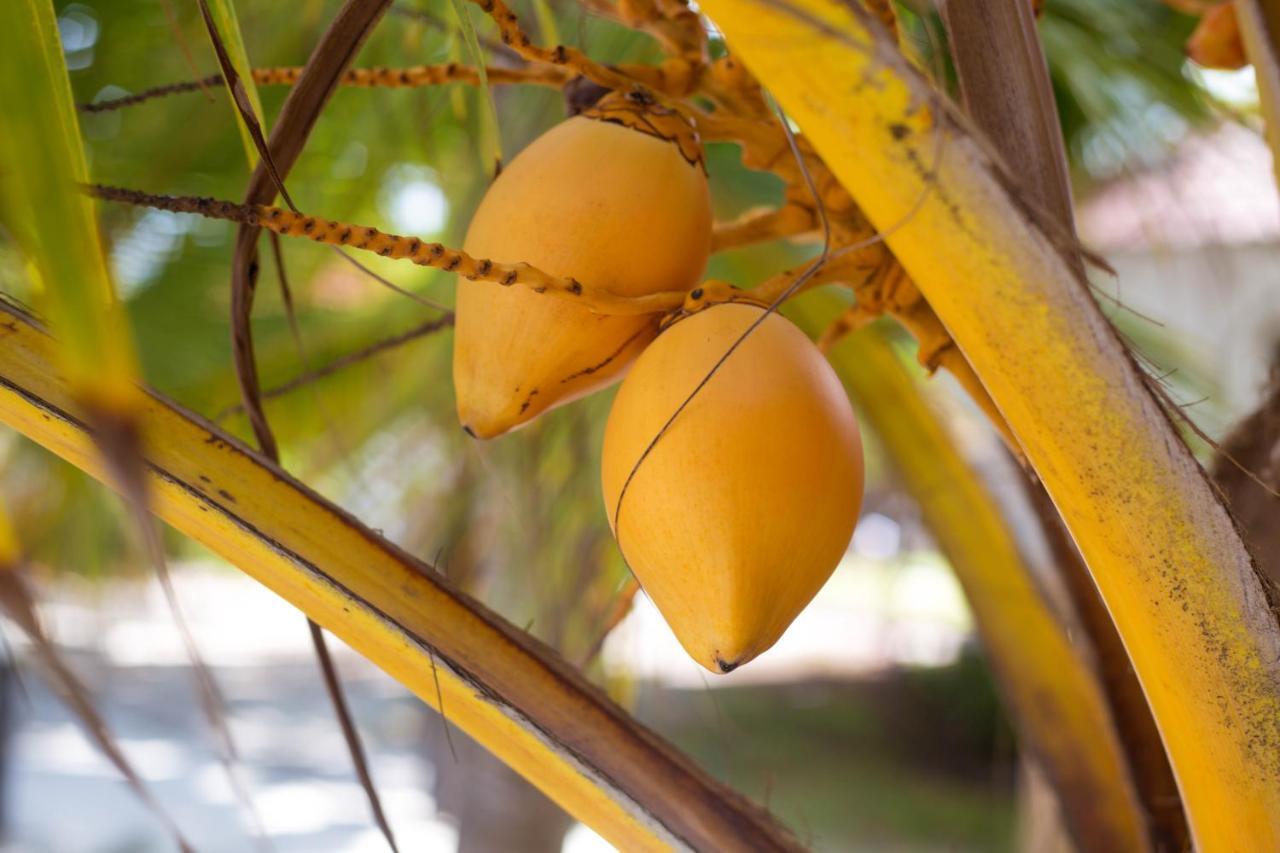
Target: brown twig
(328,61)
(240,97)
(351,734)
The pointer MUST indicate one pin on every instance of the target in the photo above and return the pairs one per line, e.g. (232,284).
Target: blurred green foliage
(1121,81)
(1124,91)
(913,759)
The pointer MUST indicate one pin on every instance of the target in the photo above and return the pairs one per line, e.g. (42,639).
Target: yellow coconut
(743,508)
(614,207)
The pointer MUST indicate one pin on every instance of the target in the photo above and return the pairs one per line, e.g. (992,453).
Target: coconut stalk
(1047,682)
(1182,588)
(1005,89)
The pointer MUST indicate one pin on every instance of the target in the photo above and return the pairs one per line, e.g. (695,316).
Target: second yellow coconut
(740,512)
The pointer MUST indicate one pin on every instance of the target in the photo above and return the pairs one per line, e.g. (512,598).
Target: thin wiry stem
(337,365)
(362,78)
(420,252)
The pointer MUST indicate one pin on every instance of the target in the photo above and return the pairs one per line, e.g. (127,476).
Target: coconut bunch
(732,464)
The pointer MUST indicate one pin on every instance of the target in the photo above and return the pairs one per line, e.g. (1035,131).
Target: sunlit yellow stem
(1178,581)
